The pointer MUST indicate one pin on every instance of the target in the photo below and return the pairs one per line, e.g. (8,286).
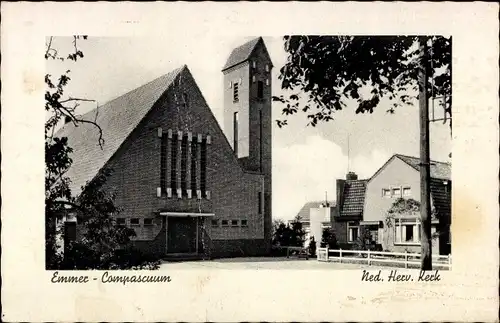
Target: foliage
(312,247)
(363,242)
(404,206)
(329,238)
(329,70)
(288,235)
(102,242)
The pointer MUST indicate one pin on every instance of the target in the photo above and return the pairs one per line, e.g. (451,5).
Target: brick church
(187,186)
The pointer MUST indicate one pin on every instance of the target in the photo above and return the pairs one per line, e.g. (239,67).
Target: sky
(306,160)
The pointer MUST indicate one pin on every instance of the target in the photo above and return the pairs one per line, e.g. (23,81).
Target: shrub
(80,257)
(312,247)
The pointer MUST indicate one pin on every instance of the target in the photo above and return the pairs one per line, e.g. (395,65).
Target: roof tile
(117,119)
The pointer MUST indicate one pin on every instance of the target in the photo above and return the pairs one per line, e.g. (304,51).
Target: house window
(253,79)
(148,222)
(234,223)
(215,223)
(267,67)
(121,221)
(259,201)
(406,191)
(244,223)
(230,84)
(235,131)
(267,81)
(352,231)
(396,192)
(173,158)
(134,221)
(254,65)
(407,230)
(225,223)
(260,89)
(386,193)
(235,93)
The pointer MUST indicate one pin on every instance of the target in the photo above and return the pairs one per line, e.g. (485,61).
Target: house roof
(304,212)
(117,119)
(439,170)
(353,197)
(242,53)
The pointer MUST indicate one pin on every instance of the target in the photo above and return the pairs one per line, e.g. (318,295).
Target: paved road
(260,263)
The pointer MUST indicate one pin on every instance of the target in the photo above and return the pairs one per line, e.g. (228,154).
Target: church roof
(242,53)
(117,119)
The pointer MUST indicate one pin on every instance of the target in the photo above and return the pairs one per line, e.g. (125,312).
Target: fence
(371,257)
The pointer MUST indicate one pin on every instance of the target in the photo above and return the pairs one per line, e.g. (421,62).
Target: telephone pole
(425,200)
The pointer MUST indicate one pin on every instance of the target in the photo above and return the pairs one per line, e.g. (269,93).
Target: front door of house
(181,235)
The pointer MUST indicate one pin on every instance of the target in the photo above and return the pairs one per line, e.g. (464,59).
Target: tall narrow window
(235,132)
(260,140)
(203,166)
(259,201)
(163,163)
(184,146)
(194,156)
(173,158)
(235,92)
(260,89)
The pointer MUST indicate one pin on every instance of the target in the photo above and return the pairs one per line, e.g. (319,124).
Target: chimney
(351,176)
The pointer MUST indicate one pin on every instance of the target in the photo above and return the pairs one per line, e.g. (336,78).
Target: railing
(370,257)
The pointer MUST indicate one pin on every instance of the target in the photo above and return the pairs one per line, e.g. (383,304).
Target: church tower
(247,114)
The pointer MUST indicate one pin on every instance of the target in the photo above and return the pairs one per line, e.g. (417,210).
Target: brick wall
(234,193)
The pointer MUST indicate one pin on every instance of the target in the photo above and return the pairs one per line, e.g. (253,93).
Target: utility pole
(425,200)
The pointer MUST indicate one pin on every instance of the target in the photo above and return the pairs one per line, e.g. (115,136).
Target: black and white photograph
(206,162)
(155,175)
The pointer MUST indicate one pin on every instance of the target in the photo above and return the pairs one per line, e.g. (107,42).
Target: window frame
(138,224)
(214,223)
(224,225)
(148,224)
(234,223)
(386,195)
(416,225)
(236,92)
(260,89)
(349,235)
(121,219)
(244,223)
(403,191)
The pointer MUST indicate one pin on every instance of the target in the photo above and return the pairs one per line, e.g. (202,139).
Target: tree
(328,238)
(331,69)
(328,70)
(102,239)
(364,239)
(312,247)
(286,235)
